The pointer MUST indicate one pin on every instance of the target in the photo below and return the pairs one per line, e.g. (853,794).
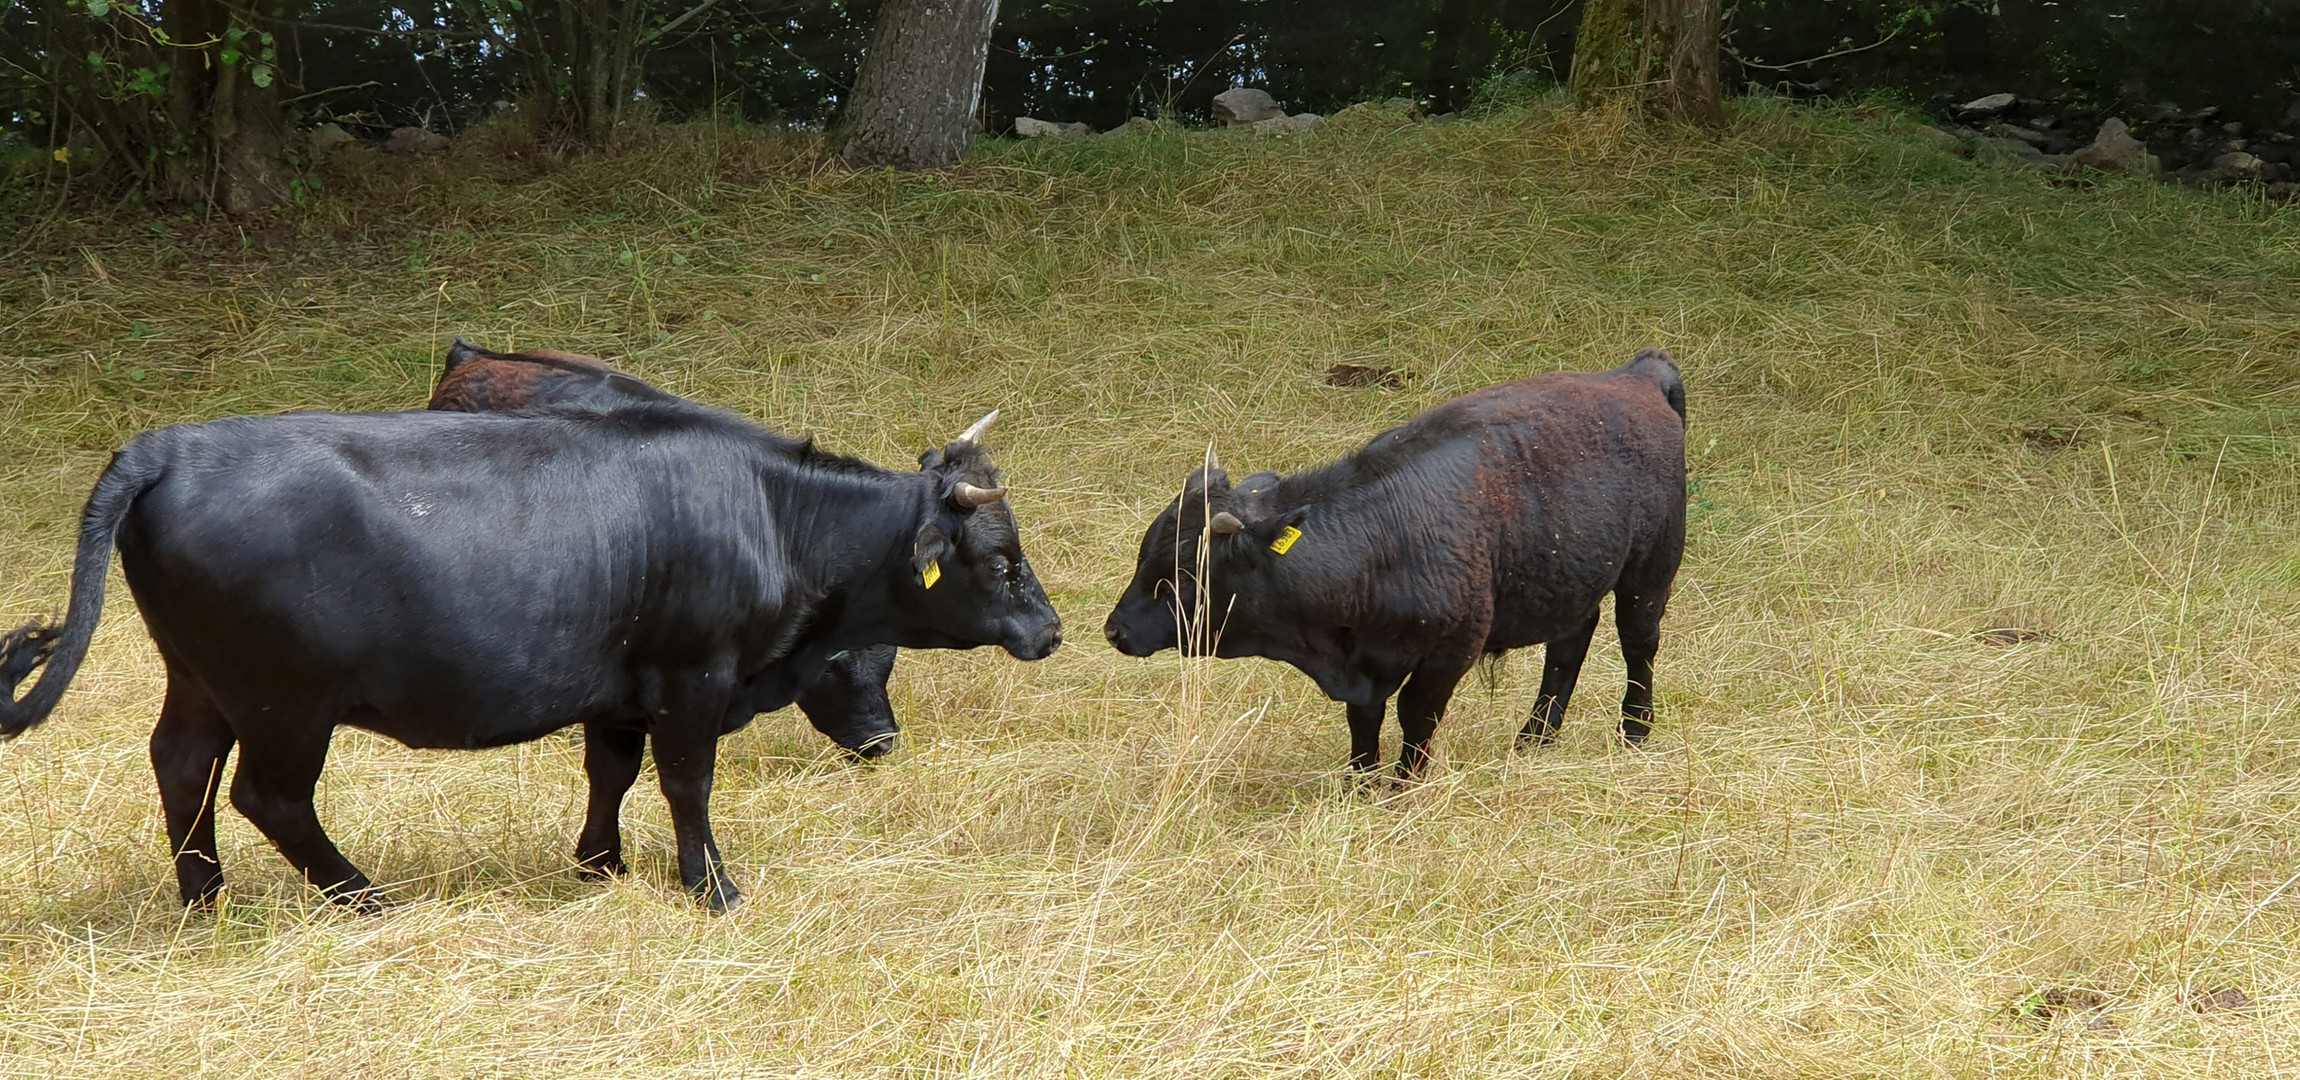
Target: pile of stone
(2203,151)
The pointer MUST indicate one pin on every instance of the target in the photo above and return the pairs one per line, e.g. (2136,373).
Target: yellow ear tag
(1285,540)
(931,574)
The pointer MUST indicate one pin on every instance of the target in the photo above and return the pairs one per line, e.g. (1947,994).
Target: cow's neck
(849,536)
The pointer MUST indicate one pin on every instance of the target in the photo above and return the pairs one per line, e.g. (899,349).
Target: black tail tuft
(1656,364)
(24,649)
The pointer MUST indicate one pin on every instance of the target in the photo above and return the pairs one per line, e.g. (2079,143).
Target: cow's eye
(998,566)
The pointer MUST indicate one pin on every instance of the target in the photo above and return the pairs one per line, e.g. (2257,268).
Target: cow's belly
(1548,596)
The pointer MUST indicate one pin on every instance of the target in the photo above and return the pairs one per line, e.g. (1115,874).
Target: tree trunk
(914,100)
(1659,56)
(214,88)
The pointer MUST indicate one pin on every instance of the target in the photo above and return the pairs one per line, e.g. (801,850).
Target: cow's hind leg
(188,749)
(279,766)
(1637,615)
(1560,670)
(611,757)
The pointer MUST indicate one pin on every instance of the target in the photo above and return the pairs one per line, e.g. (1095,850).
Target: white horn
(974,433)
(965,496)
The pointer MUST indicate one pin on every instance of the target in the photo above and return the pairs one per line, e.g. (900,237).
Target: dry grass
(1929,400)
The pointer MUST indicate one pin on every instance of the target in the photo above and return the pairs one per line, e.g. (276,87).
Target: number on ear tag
(931,574)
(1285,540)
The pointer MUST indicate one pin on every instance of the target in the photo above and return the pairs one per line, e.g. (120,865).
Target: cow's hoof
(1634,733)
(366,900)
(721,900)
(600,866)
(1535,740)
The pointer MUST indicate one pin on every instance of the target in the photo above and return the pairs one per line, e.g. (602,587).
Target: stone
(1242,105)
(2237,166)
(2286,191)
(2015,131)
(2292,117)
(1030,127)
(1987,106)
(1948,144)
(328,137)
(1282,124)
(2115,150)
(2013,151)
(413,140)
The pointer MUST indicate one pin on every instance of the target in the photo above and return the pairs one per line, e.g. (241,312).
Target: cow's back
(464,580)
(1569,481)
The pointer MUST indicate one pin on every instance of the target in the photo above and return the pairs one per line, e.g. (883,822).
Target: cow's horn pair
(974,433)
(965,496)
(1226,523)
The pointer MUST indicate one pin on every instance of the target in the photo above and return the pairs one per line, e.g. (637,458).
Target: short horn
(966,496)
(974,433)
(1226,523)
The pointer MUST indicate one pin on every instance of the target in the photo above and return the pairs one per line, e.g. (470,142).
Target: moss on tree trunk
(1658,56)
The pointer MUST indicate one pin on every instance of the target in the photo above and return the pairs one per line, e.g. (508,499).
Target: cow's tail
(61,646)
(1656,365)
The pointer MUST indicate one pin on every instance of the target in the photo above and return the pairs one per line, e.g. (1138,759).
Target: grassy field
(1976,753)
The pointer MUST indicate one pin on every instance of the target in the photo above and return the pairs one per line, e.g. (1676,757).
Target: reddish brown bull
(1495,521)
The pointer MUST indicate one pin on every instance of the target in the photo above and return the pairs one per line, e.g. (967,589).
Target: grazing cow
(659,573)
(1495,521)
(849,703)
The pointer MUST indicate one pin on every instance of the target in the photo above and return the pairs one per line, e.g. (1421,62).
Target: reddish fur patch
(504,382)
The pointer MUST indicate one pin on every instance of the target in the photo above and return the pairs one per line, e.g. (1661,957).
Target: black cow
(849,703)
(1495,521)
(659,573)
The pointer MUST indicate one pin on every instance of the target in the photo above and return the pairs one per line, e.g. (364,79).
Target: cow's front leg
(1421,704)
(1366,733)
(611,757)
(686,756)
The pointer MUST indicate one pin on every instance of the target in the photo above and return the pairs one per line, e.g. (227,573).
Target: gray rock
(1033,128)
(1987,106)
(2115,150)
(1948,144)
(2234,167)
(328,137)
(1282,124)
(2286,191)
(1140,125)
(2230,146)
(412,140)
(2016,131)
(1241,105)
(2012,151)
(2292,117)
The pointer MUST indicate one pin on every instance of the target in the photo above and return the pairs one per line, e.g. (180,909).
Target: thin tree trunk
(1659,56)
(242,170)
(914,100)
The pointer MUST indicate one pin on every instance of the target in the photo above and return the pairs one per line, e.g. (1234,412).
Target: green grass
(1928,399)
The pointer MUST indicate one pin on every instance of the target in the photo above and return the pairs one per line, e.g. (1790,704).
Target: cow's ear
(1279,534)
(1209,479)
(929,460)
(928,551)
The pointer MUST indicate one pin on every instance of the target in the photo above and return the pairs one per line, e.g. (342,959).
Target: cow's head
(848,701)
(1203,554)
(970,584)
